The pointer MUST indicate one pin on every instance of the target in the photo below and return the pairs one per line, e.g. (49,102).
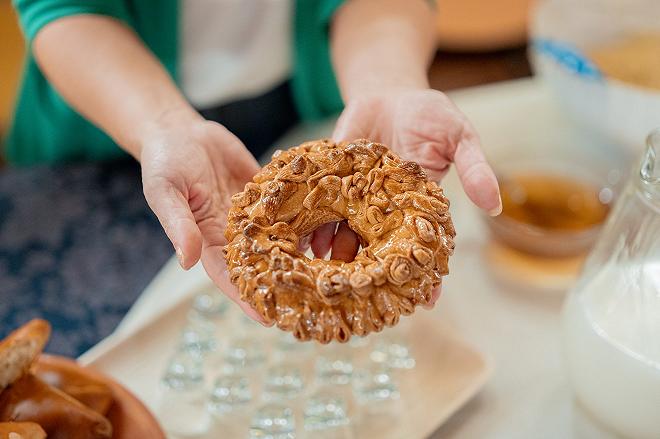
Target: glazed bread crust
(401,218)
(20,348)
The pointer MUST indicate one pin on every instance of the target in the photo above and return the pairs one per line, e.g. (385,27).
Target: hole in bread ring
(401,218)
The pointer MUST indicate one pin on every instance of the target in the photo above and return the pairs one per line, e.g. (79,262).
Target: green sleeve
(35,14)
(328,9)
(314,85)
(45,128)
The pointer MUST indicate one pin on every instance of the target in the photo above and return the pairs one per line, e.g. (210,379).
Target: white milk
(612,347)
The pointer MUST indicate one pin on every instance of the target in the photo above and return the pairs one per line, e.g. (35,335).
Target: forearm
(104,71)
(381,44)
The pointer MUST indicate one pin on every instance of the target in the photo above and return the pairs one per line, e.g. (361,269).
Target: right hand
(190,169)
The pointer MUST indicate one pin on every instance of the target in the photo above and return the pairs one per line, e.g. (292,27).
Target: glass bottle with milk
(611,319)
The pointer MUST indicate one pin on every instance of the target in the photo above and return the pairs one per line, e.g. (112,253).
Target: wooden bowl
(129,417)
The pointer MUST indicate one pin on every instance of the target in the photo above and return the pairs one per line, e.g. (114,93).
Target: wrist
(379,75)
(379,47)
(368,89)
(155,130)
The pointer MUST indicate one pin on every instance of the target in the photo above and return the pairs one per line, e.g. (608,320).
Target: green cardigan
(46,130)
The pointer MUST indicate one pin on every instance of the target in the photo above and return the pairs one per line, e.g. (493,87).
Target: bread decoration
(402,220)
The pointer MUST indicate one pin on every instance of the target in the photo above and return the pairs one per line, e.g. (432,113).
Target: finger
(172,209)
(477,177)
(212,256)
(345,243)
(342,128)
(435,295)
(216,267)
(350,127)
(304,243)
(209,206)
(322,239)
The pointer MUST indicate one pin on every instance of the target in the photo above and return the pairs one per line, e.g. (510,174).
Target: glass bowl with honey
(550,210)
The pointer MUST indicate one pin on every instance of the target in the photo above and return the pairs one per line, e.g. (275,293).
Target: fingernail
(179,256)
(496,211)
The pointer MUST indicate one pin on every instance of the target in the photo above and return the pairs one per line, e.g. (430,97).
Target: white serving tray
(447,374)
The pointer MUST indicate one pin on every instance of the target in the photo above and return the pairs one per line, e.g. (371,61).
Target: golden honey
(551,202)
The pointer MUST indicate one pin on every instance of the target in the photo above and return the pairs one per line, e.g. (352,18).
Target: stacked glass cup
(230,377)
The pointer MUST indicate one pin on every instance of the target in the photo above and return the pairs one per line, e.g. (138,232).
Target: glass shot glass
(273,420)
(373,384)
(334,366)
(198,338)
(209,305)
(229,393)
(181,400)
(393,351)
(326,415)
(244,352)
(283,381)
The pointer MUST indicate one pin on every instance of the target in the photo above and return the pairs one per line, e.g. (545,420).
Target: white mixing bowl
(611,110)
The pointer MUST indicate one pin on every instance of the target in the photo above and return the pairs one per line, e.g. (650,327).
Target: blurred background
(479,41)
(11,53)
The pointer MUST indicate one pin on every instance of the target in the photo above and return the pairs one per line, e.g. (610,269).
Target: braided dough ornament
(401,218)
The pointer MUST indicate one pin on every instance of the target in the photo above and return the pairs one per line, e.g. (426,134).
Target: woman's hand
(380,51)
(425,126)
(419,125)
(422,125)
(190,169)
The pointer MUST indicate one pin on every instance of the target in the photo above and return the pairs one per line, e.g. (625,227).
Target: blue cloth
(78,244)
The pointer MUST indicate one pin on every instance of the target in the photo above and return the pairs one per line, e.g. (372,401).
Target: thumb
(216,268)
(173,211)
(349,127)
(477,177)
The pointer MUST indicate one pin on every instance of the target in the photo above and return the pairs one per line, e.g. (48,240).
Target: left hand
(422,125)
